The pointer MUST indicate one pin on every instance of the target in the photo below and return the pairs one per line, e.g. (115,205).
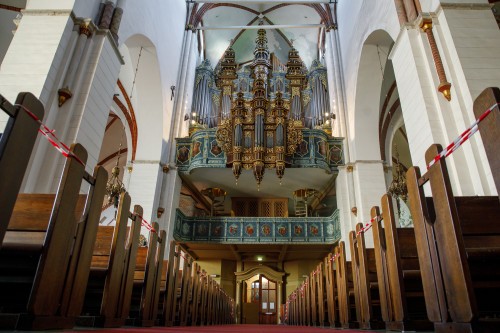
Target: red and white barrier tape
(368,225)
(51,137)
(461,138)
(65,150)
(146,224)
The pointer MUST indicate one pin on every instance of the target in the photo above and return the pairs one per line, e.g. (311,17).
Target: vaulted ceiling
(301,23)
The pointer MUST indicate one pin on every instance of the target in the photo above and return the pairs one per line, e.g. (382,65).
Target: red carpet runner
(230,329)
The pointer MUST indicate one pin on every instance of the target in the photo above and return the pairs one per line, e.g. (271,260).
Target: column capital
(85,28)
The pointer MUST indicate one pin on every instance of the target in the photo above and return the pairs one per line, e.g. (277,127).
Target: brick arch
(195,19)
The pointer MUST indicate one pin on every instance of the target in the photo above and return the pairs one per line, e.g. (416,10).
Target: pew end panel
(463,240)
(59,229)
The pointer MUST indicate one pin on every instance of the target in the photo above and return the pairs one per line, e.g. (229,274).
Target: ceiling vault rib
(301,2)
(281,257)
(268,27)
(234,249)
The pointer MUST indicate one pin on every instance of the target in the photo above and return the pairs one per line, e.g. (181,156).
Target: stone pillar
(177,114)
(342,119)
(171,189)
(189,84)
(66,92)
(238,302)
(115,22)
(345,202)
(369,183)
(107,15)
(278,301)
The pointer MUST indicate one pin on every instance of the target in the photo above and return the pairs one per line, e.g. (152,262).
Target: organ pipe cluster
(259,109)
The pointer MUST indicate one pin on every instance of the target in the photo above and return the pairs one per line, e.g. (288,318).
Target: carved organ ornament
(260,108)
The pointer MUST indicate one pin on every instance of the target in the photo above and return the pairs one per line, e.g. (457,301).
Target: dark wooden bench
(330,291)
(109,292)
(316,279)
(345,289)
(148,279)
(460,252)
(398,269)
(366,286)
(16,145)
(47,250)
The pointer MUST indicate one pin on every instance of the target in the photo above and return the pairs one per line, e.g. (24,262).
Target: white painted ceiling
(294,179)
(305,40)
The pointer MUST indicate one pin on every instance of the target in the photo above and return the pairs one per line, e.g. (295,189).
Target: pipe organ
(260,109)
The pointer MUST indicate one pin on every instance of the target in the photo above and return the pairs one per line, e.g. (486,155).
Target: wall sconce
(172,88)
(354,210)
(160,211)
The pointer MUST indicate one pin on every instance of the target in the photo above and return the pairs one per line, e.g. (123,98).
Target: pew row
(109,291)
(16,144)
(370,302)
(345,288)
(459,251)
(47,250)
(148,280)
(192,297)
(399,274)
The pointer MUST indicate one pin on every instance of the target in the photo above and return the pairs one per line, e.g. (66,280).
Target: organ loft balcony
(260,162)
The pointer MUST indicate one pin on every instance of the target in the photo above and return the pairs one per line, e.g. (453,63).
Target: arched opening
(139,89)
(260,300)
(394,147)
(259,295)
(113,157)
(139,97)
(364,128)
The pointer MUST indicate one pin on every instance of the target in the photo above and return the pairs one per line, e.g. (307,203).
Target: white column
(278,301)
(143,187)
(35,55)
(179,95)
(168,153)
(342,114)
(171,189)
(345,201)
(189,85)
(238,302)
(369,183)
(469,37)
(68,83)
(333,84)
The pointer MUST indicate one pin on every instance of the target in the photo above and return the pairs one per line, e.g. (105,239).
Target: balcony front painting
(257,229)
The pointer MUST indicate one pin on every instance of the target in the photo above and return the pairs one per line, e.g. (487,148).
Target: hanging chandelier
(114,186)
(257,134)
(398,188)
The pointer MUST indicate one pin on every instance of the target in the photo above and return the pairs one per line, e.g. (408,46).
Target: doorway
(260,301)
(259,295)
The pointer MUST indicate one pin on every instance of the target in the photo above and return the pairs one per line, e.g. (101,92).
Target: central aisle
(232,329)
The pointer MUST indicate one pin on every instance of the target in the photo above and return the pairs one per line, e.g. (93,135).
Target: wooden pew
(489,129)
(331,291)
(16,145)
(345,288)
(366,286)
(178,287)
(192,297)
(152,291)
(46,252)
(317,294)
(108,296)
(399,278)
(147,280)
(459,251)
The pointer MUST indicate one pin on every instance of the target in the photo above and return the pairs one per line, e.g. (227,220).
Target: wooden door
(268,301)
